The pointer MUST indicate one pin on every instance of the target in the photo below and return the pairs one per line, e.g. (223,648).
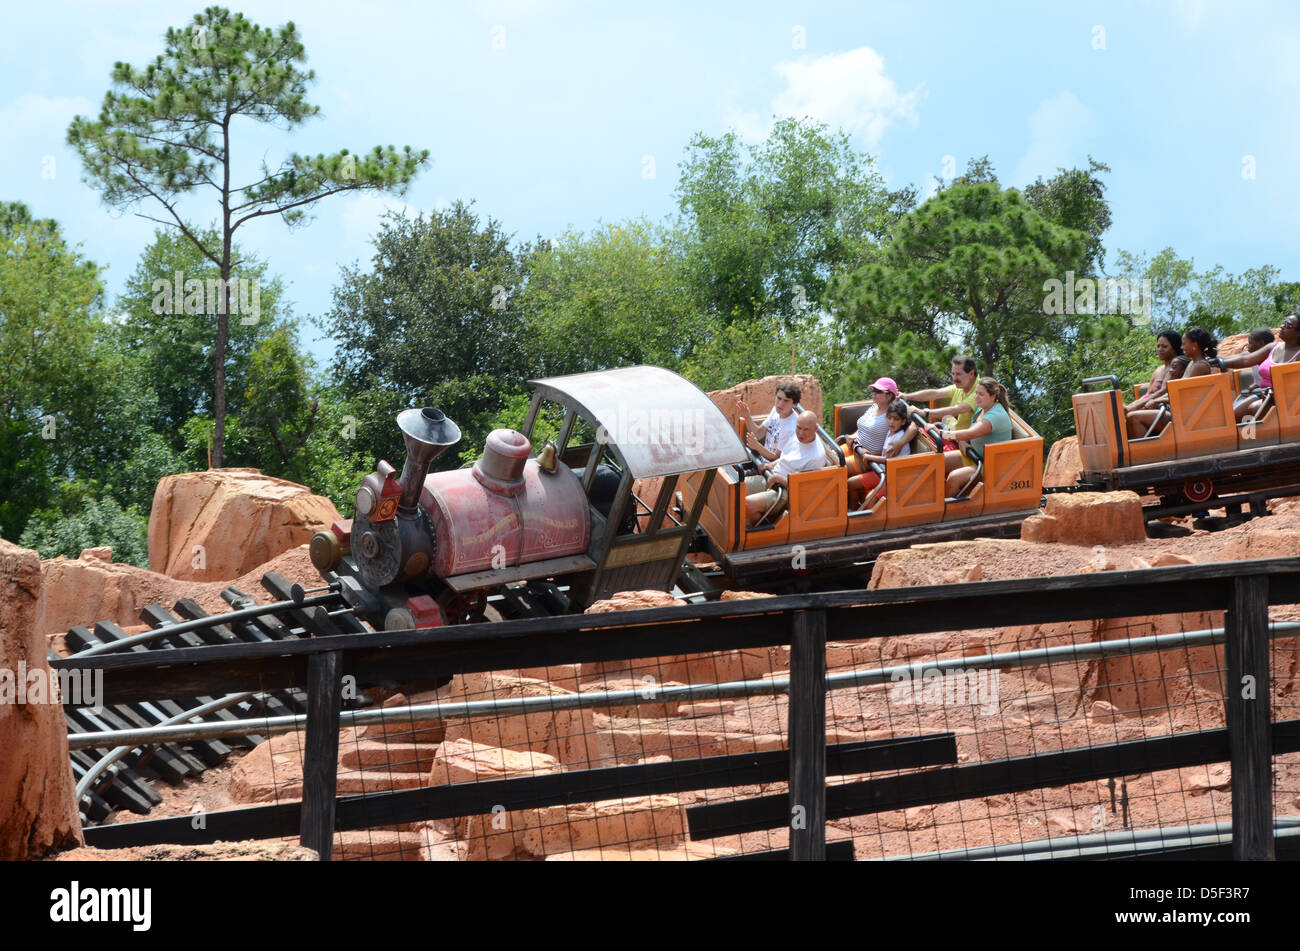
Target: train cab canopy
(624,431)
(656,423)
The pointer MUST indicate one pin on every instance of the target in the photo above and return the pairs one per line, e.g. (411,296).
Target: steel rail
(655,693)
(212,620)
(118,753)
(1102,843)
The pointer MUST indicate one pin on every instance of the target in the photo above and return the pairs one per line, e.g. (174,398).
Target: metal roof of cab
(658,422)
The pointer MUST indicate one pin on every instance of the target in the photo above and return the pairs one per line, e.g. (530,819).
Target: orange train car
(816,530)
(1201,457)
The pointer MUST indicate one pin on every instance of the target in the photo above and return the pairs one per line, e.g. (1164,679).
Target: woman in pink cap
(867,445)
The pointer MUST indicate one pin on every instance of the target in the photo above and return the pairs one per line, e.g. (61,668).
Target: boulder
(496,834)
(1063,462)
(1097,518)
(102,553)
(761,395)
(634,601)
(1237,343)
(219,524)
(1038,528)
(38,810)
(567,735)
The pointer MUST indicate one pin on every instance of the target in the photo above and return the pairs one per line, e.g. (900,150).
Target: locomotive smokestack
(428,434)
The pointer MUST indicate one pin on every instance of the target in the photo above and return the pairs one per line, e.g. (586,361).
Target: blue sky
(550,115)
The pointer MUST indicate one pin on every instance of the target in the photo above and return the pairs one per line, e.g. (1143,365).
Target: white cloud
(1059,131)
(847,90)
(361,217)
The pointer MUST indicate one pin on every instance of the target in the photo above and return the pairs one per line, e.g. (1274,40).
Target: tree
(766,226)
(168,132)
(50,360)
(619,296)
(968,267)
(1076,198)
(437,321)
(158,326)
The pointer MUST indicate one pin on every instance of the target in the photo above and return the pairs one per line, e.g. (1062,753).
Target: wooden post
(321,756)
(1250,737)
(808,737)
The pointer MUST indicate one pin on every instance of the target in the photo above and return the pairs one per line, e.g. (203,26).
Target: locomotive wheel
(467,608)
(1198,490)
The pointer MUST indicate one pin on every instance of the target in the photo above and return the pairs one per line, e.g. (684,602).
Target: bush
(53,532)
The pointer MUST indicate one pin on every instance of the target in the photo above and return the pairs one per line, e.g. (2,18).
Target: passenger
(803,454)
(770,436)
(992,424)
(960,397)
(867,445)
(1168,346)
(1265,357)
(1199,346)
(1177,367)
(897,444)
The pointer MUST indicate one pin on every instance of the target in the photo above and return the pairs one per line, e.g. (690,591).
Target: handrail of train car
(1160,415)
(931,431)
(1109,378)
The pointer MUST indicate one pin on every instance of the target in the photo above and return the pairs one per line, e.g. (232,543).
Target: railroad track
(127,783)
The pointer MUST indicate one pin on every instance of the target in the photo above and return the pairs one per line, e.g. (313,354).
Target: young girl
(897,443)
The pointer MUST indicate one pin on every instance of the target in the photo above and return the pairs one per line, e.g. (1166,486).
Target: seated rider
(960,397)
(1264,357)
(992,424)
(897,443)
(769,436)
(803,454)
(1168,346)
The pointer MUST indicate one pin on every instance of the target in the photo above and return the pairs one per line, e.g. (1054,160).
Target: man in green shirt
(960,396)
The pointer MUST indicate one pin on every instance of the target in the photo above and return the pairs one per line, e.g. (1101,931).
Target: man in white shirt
(802,454)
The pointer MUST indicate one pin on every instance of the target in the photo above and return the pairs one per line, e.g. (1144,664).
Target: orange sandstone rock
(216,525)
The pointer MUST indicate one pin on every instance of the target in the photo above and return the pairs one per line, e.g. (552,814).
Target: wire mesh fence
(1004,695)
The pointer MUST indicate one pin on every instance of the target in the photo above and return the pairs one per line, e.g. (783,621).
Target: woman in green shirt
(991,424)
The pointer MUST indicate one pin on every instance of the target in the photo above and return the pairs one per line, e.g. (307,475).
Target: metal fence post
(1250,736)
(808,736)
(321,753)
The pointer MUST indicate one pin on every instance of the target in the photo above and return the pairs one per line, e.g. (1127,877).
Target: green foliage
(165,130)
(1221,302)
(766,226)
(968,266)
(437,321)
(1076,198)
(172,346)
(50,360)
(88,522)
(617,297)
(753,347)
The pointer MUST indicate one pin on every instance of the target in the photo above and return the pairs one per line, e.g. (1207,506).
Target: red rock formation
(1063,462)
(216,525)
(38,810)
(1097,518)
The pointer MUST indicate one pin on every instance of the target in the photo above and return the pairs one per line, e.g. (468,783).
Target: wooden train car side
(1203,456)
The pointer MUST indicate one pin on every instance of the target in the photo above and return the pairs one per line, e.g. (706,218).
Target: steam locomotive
(552,532)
